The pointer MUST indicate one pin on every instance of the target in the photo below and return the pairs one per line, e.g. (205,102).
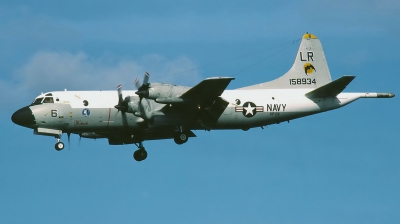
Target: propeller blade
(146,78)
(124,120)
(121,106)
(137,83)
(120,99)
(145,109)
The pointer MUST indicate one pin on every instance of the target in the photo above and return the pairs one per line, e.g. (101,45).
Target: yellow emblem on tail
(309,68)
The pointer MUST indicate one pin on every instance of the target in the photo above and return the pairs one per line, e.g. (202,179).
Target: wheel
(140,154)
(180,138)
(59,146)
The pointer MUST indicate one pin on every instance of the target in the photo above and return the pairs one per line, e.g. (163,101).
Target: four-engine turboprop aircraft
(167,111)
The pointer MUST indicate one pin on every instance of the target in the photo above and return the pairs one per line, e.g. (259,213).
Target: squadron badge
(309,68)
(85,112)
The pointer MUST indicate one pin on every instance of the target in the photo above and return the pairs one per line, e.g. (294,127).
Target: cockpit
(48,98)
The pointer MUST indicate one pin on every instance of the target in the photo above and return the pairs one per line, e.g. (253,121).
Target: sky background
(336,167)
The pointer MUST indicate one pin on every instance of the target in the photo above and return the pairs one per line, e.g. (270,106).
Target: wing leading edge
(207,91)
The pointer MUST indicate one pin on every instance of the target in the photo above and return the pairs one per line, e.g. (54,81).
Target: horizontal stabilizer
(331,89)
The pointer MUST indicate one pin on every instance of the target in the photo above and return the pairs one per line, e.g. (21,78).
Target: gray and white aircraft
(168,111)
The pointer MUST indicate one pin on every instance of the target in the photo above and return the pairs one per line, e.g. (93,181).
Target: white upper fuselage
(82,111)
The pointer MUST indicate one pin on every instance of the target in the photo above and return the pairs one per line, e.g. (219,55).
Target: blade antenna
(69,140)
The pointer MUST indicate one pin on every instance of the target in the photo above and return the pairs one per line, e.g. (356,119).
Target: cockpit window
(40,100)
(37,101)
(48,100)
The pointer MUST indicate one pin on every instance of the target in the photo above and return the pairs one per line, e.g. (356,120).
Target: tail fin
(309,70)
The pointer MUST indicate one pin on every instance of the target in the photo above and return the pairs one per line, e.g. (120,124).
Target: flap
(216,110)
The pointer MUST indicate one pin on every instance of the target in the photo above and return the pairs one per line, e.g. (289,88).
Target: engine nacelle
(159,90)
(163,93)
(133,104)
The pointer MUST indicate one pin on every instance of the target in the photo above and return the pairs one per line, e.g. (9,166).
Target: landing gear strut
(59,145)
(140,154)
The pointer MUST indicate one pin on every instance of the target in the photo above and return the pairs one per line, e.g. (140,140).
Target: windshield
(37,101)
(48,100)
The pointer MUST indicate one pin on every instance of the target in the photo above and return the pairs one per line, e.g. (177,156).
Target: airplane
(167,111)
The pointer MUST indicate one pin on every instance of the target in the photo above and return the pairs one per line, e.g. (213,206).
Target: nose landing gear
(59,145)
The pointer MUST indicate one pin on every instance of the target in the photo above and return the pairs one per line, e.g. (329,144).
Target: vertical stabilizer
(310,69)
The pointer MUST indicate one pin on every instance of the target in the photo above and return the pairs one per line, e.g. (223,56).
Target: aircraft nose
(23,117)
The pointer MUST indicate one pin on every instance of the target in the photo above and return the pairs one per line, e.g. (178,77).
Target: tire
(59,146)
(140,154)
(180,138)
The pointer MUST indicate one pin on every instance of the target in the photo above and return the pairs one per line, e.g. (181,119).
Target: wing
(207,91)
(202,102)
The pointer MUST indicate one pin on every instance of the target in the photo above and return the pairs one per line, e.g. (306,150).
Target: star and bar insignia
(249,109)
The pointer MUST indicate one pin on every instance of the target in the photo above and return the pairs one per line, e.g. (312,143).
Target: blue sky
(337,167)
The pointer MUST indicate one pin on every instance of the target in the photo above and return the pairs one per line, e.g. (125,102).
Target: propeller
(143,89)
(122,106)
(143,92)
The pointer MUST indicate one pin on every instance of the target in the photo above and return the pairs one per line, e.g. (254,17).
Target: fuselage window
(48,100)
(37,101)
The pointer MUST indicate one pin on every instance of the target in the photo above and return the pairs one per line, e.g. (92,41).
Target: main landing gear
(59,145)
(141,153)
(180,138)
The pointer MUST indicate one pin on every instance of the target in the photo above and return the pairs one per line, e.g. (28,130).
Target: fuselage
(93,111)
